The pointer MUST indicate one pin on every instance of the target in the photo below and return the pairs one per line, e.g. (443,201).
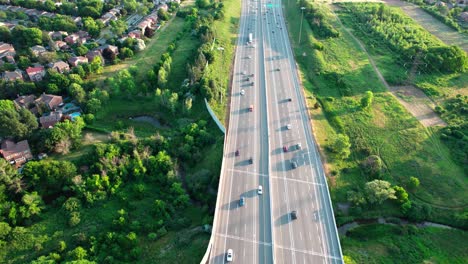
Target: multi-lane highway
(271,145)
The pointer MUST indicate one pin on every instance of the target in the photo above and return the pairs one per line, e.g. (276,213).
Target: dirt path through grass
(413,99)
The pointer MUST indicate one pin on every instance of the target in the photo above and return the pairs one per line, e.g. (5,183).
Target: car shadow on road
(231,206)
(242,163)
(250,194)
(219,258)
(282,220)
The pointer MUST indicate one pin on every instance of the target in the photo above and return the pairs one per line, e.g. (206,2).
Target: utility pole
(300,30)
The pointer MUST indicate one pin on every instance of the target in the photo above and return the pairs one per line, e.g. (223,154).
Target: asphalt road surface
(262,230)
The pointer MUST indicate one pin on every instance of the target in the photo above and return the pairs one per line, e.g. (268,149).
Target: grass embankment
(226,31)
(395,244)
(338,75)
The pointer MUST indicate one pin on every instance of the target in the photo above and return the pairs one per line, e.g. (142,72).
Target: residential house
(75,61)
(6,50)
(16,153)
(77,38)
(146,23)
(57,35)
(25,101)
(464,16)
(135,34)
(113,49)
(37,50)
(36,73)
(50,119)
(72,39)
(93,54)
(49,100)
(11,76)
(462,3)
(62,45)
(60,66)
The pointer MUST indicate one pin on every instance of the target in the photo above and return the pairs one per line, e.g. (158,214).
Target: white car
(242,92)
(289,126)
(229,255)
(260,189)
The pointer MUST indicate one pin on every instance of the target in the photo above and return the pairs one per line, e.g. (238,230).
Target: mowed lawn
(386,129)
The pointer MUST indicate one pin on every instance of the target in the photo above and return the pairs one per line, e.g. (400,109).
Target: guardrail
(215,117)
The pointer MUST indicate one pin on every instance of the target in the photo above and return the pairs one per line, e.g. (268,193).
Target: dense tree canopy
(15,122)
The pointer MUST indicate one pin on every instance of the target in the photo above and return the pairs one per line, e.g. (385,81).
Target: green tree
(15,123)
(91,26)
(5,230)
(401,194)
(366,101)
(413,183)
(26,37)
(378,191)
(96,65)
(202,3)
(5,34)
(78,253)
(162,77)
(77,92)
(163,15)
(341,146)
(49,176)
(118,27)
(126,53)
(74,219)
(23,62)
(372,166)
(93,105)
(81,50)
(33,205)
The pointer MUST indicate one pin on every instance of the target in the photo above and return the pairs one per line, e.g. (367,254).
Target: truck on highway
(250,38)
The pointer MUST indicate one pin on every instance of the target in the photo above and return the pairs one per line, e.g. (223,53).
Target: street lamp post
(300,30)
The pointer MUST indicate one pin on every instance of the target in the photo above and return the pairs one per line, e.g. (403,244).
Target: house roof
(77,59)
(60,65)
(9,147)
(25,100)
(51,119)
(13,75)
(34,70)
(50,100)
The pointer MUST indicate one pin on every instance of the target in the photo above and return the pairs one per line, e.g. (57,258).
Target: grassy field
(338,76)
(395,244)
(226,31)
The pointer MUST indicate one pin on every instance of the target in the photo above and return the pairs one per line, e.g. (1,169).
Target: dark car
(289,99)
(241,201)
(237,152)
(293,164)
(251,160)
(285,149)
(293,215)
